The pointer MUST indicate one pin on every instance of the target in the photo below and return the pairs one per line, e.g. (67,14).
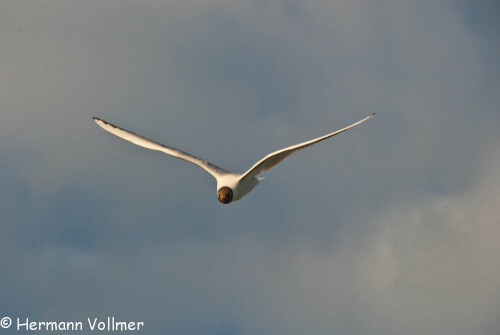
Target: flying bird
(230,186)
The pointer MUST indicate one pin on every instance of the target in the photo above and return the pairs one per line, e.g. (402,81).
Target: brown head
(225,194)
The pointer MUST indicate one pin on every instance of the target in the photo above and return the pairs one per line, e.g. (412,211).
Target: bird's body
(230,186)
(240,187)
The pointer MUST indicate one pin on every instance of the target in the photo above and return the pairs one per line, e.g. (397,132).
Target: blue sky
(389,228)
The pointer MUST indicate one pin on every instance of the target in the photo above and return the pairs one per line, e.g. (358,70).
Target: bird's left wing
(214,170)
(274,158)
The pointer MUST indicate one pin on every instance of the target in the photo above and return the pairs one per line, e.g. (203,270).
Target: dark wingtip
(373,113)
(96,119)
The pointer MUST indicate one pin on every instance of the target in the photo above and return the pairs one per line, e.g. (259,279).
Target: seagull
(230,186)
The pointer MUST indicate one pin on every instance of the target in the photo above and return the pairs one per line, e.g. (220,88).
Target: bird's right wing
(215,171)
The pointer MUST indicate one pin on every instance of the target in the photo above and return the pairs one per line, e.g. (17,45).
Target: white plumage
(230,186)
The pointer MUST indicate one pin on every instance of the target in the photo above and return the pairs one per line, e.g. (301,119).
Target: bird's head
(225,195)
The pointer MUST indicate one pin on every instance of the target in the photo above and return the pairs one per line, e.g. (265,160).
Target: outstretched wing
(215,171)
(274,158)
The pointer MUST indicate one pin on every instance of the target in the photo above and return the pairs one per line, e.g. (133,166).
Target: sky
(389,228)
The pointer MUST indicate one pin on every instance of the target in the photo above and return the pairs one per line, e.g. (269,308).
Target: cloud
(424,266)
